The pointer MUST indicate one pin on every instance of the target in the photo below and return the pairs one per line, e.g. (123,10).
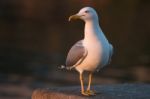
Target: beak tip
(70,18)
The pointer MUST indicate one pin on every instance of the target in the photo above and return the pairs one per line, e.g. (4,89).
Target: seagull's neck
(92,30)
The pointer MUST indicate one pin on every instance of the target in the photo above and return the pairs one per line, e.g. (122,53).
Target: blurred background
(35,37)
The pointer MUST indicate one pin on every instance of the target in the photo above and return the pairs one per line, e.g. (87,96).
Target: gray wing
(76,55)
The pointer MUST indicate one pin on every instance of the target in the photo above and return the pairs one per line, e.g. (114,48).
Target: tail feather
(65,67)
(62,67)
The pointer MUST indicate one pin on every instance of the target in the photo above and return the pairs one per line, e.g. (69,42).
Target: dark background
(35,36)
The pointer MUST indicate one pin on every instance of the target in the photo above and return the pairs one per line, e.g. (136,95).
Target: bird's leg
(82,86)
(89,91)
(90,79)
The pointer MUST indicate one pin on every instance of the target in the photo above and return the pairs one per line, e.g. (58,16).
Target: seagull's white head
(86,14)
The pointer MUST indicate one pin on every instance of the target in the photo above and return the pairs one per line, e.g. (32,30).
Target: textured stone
(118,91)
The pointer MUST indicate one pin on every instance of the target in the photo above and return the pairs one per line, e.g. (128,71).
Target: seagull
(93,52)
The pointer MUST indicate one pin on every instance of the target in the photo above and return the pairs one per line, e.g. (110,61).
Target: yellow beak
(74,17)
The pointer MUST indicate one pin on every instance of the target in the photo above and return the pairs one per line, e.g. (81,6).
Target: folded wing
(76,55)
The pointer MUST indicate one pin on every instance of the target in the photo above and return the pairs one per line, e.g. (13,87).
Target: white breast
(98,48)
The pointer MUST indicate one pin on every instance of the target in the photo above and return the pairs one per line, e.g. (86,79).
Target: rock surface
(118,91)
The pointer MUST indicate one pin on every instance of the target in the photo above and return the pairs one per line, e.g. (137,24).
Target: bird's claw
(88,93)
(84,93)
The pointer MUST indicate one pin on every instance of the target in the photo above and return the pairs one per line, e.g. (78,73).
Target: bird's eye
(86,11)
